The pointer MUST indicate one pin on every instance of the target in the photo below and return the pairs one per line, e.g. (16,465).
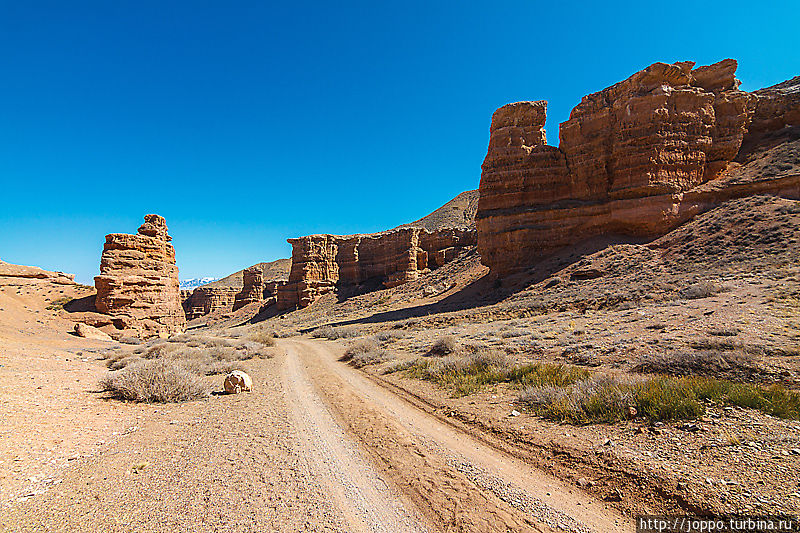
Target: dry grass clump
(155,380)
(606,398)
(200,356)
(263,337)
(464,374)
(388,336)
(443,346)
(333,333)
(398,365)
(731,364)
(366,352)
(703,289)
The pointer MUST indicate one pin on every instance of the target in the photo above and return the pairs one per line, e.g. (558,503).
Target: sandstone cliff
(321,263)
(638,159)
(138,281)
(205,300)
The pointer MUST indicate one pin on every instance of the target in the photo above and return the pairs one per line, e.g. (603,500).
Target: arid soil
(316,447)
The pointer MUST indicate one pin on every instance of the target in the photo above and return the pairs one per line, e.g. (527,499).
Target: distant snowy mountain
(193,283)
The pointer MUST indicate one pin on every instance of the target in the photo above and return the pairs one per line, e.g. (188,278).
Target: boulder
(238,381)
(89,332)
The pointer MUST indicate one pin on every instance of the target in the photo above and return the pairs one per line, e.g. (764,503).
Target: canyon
(636,159)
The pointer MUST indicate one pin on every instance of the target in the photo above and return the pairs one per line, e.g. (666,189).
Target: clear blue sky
(244,123)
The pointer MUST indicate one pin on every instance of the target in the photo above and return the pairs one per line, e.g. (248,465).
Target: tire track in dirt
(521,493)
(366,501)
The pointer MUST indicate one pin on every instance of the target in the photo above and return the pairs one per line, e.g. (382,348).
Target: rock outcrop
(253,290)
(637,159)
(321,263)
(138,281)
(89,332)
(206,300)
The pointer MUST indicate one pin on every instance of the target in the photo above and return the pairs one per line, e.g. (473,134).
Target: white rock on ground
(238,381)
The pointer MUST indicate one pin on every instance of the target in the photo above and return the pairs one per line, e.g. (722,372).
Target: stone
(138,281)
(89,332)
(323,263)
(636,159)
(238,381)
(206,300)
(253,289)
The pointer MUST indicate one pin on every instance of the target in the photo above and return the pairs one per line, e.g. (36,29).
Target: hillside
(457,213)
(278,269)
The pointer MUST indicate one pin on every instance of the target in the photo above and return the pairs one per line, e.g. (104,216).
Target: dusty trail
(519,489)
(317,446)
(366,501)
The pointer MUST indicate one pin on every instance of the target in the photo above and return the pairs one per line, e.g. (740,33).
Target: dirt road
(317,446)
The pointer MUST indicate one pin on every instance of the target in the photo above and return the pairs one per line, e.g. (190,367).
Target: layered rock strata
(206,300)
(253,289)
(321,263)
(138,281)
(637,159)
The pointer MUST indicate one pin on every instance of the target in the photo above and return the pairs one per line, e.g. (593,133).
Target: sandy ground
(316,446)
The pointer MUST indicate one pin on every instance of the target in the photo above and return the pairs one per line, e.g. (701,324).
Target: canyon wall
(321,263)
(205,300)
(637,159)
(138,281)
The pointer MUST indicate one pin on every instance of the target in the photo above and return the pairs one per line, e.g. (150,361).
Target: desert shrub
(732,364)
(539,374)
(513,332)
(267,339)
(443,346)
(371,358)
(156,380)
(667,399)
(398,366)
(467,373)
(59,303)
(366,352)
(703,289)
(464,374)
(219,342)
(388,336)
(609,399)
(333,333)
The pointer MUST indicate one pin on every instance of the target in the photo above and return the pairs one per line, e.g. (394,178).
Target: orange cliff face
(138,281)
(637,159)
(321,263)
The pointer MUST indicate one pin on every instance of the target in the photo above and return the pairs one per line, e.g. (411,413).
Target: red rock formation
(206,300)
(321,263)
(138,281)
(634,160)
(253,290)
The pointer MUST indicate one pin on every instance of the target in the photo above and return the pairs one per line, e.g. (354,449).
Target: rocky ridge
(321,263)
(636,159)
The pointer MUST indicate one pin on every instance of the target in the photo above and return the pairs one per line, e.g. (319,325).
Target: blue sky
(245,123)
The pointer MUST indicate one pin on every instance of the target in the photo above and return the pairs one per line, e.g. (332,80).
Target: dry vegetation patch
(366,352)
(155,381)
(169,370)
